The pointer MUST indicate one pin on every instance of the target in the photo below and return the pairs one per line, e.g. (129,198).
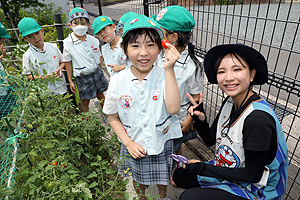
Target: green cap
(100,22)
(175,18)
(125,17)
(28,26)
(141,21)
(78,12)
(3,32)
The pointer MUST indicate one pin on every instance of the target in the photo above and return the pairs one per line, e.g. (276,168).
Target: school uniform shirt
(36,60)
(142,109)
(114,56)
(85,56)
(187,79)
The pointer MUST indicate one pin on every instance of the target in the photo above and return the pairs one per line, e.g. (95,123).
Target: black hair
(86,19)
(132,36)
(183,41)
(238,56)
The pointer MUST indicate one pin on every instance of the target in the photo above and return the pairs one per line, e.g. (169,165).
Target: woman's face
(234,77)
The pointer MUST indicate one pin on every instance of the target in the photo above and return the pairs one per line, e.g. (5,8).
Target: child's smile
(142,53)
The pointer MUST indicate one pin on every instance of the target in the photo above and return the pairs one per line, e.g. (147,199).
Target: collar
(117,46)
(75,40)
(37,49)
(183,58)
(135,80)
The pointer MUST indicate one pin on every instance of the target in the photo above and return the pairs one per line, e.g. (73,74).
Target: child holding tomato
(141,102)
(188,68)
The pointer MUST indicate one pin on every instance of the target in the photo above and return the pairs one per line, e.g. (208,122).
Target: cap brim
(257,60)
(5,36)
(28,32)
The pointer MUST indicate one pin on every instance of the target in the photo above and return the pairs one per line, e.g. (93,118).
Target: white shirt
(85,56)
(114,56)
(37,60)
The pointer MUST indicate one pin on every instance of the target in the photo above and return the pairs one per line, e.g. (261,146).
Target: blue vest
(278,169)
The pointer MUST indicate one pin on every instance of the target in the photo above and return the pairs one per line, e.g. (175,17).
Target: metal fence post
(99,7)
(81,4)
(59,30)
(146,8)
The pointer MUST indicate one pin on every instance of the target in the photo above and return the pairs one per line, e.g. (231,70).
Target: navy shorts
(92,84)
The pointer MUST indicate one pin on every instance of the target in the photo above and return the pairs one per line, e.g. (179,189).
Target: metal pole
(81,3)
(99,7)
(59,30)
(74,4)
(146,8)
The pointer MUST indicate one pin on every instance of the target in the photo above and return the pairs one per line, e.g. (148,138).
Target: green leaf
(44,72)
(126,195)
(49,145)
(95,164)
(42,163)
(20,157)
(126,181)
(110,171)
(93,184)
(75,190)
(6,192)
(71,171)
(78,139)
(93,174)
(110,182)
(87,193)
(33,153)
(73,176)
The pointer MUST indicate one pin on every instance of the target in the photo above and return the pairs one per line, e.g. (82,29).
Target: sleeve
(258,138)
(66,54)
(110,104)
(195,83)
(60,55)
(25,66)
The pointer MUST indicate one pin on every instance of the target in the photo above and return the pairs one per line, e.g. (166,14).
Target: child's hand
(172,56)
(58,73)
(191,110)
(72,87)
(136,150)
(116,68)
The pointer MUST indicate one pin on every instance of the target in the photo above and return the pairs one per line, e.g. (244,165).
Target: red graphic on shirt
(95,50)
(155,98)
(92,46)
(54,57)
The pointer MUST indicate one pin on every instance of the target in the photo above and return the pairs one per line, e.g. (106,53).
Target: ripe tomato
(164,42)
(54,163)
(63,166)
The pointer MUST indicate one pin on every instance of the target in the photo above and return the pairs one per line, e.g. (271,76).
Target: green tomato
(23,130)
(51,184)
(29,126)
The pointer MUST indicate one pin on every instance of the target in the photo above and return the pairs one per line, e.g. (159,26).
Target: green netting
(8,150)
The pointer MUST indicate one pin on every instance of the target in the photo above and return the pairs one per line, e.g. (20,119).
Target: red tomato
(164,42)
(54,163)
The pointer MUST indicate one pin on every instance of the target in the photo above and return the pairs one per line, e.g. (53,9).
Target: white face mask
(80,30)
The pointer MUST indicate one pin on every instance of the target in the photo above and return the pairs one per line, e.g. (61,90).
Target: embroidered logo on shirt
(154,94)
(95,50)
(226,157)
(126,101)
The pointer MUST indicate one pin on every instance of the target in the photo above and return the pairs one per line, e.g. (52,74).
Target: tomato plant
(80,144)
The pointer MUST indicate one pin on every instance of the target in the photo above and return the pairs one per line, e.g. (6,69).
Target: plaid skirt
(92,84)
(150,170)
(186,137)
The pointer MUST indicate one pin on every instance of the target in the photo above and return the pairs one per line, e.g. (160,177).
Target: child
(141,104)
(123,19)
(82,51)
(3,35)
(42,52)
(188,69)
(251,152)
(113,55)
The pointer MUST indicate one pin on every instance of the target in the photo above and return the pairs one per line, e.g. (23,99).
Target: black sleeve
(207,134)
(255,162)
(258,131)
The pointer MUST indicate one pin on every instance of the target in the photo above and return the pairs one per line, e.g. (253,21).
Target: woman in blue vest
(251,151)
